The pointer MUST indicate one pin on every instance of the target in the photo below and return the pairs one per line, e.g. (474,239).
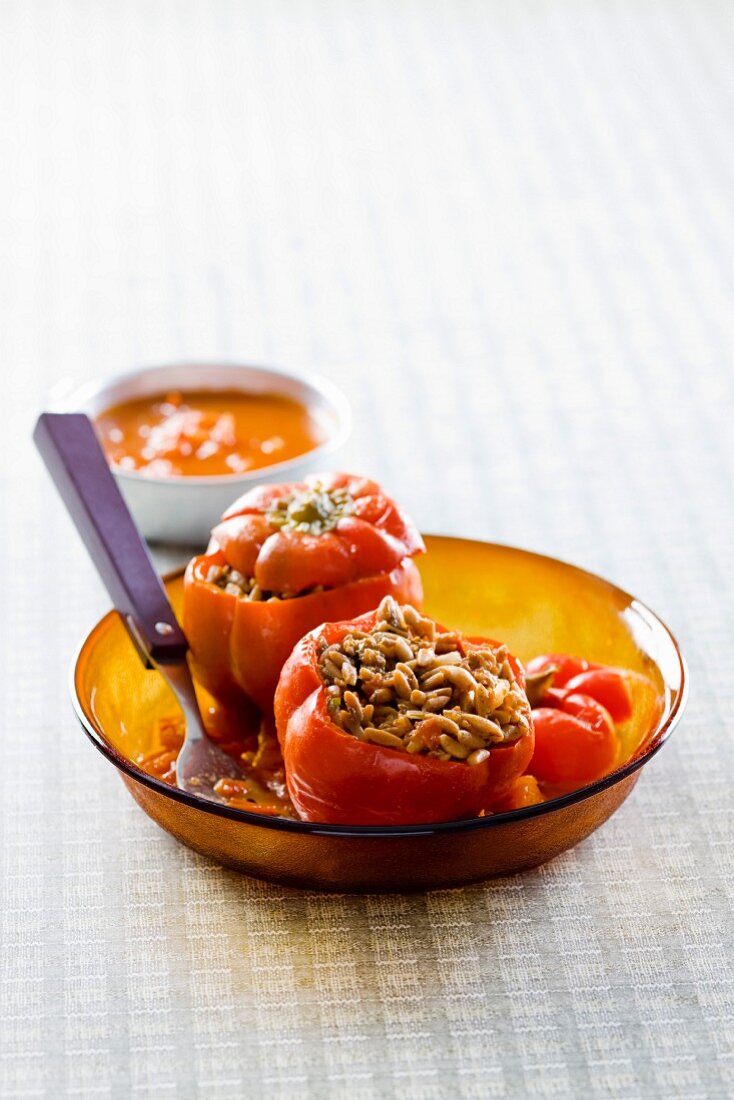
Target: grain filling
(246,588)
(407,685)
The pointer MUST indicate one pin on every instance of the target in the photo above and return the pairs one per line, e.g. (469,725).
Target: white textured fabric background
(507,230)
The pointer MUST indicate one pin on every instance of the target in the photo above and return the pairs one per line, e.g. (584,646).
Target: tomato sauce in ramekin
(206,433)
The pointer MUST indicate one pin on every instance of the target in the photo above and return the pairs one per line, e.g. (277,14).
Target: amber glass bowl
(533,603)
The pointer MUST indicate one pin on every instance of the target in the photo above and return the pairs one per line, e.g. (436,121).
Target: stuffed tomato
(284,559)
(390,719)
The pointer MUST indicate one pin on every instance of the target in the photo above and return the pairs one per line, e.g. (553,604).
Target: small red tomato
(523,792)
(575,742)
(566,666)
(608,686)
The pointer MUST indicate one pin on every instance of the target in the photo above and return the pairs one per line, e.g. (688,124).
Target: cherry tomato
(566,666)
(608,686)
(575,741)
(523,792)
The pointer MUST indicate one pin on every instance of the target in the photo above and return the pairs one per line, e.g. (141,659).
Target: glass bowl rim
(667,724)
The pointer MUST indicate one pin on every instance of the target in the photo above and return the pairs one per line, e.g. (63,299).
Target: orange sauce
(206,432)
(247,738)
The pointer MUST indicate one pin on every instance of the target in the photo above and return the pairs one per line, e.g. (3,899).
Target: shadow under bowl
(533,603)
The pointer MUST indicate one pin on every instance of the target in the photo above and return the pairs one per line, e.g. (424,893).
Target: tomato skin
(608,686)
(240,646)
(577,739)
(566,665)
(580,706)
(292,561)
(575,742)
(373,538)
(523,792)
(335,778)
(240,540)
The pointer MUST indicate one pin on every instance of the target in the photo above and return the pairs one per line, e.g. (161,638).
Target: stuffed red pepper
(284,559)
(391,719)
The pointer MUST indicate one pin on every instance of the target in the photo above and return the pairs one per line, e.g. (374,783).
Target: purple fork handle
(76,462)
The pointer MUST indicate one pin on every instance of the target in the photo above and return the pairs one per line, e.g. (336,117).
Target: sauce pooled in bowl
(206,433)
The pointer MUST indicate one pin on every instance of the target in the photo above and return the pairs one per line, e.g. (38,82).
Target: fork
(69,447)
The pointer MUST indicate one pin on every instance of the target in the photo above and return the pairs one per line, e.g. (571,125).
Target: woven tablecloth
(506,229)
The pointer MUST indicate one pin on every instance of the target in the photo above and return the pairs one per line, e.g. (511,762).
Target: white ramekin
(182,510)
